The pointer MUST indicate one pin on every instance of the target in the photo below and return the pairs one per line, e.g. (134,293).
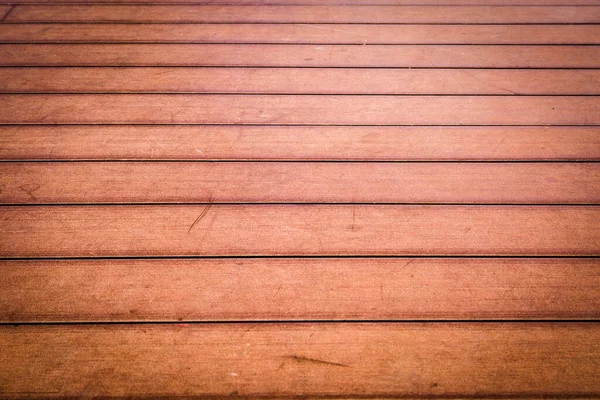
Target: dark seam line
(310,257)
(356,94)
(285,257)
(247,66)
(315,321)
(302,161)
(99,22)
(305,43)
(296,203)
(293,126)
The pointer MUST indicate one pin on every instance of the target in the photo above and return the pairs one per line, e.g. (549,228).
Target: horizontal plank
(332,230)
(305,14)
(87,142)
(297,109)
(298,81)
(299,289)
(285,360)
(251,182)
(273,55)
(335,2)
(300,33)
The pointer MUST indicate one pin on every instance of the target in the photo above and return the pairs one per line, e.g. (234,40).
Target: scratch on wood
(7,13)
(29,189)
(315,361)
(202,215)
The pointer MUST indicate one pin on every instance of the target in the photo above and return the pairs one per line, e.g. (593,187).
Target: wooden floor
(300,198)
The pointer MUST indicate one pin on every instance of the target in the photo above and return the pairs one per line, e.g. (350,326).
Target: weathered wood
(334,2)
(4,9)
(252,182)
(300,33)
(46,142)
(288,360)
(298,81)
(298,109)
(257,230)
(305,14)
(273,55)
(299,289)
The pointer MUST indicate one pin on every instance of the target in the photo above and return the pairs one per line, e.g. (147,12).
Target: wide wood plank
(304,14)
(257,230)
(300,33)
(272,55)
(298,80)
(423,143)
(251,182)
(298,109)
(299,289)
(288,360)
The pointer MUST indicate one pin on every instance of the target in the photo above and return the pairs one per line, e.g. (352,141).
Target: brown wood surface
(260,182)
(299,289)
(304,14)
(273,55)
(299,81)
(332,2)
(4,9)
(315,360)
(330,230)
(45,142)
(298,109)
(300,33)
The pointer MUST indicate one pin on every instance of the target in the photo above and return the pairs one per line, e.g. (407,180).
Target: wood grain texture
(305,14)
(288,360)
(273,55)
(252,182)
(300,33)
(297,109)
(298,81)
(86,142)
(299,289)
(331,230)
(334,2)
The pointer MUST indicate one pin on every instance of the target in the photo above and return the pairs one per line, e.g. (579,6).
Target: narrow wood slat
(337,2)
(45,142)
(301,33)
(257,230)
(298,109)
(272,55)
(299,289)
(304,14)
(290,360)
(298,81)
(248,182)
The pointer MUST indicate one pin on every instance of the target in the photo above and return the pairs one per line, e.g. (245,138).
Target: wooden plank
(298,81)
(332,230)
(305,14)
(299,289)
(45,142)
(335,2)
(297,109)
(176,182)
(315,360)
(272,55)
(300,33)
